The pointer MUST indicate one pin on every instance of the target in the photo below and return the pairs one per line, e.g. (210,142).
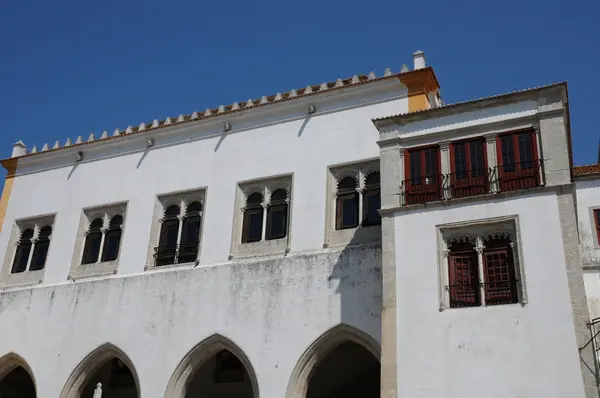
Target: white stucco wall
(588,198)
(283,141)
(273,310)
(499,351)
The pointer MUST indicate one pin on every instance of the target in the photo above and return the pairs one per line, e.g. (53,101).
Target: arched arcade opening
(108,370)
(215,368)
(15,378)
(342,363)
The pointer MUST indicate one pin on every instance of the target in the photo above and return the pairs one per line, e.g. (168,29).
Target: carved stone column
(493,172)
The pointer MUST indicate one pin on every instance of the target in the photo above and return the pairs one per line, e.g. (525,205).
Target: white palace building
(352,239)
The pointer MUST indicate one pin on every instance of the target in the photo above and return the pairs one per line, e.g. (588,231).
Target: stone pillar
(445,169)
(392,174)
(492,161)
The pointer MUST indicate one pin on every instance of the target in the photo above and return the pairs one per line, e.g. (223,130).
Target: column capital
(444,144)
(490,137)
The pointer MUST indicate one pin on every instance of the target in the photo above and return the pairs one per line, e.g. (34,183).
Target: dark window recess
(120,376)
(93,240)
(372,200)
(463,276)
(112,239)
(253,219)
(520,166)
(40,250)
(277,215)
(190,233)
(228,368)
(424,182)
(166,252)
(500,283)
(469,176)
(597,221)
(347,208)
(22,252)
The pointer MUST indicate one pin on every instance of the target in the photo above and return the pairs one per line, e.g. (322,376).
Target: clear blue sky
(68,68)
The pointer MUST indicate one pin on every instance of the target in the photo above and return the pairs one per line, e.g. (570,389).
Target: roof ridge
(475,100)
(223,109)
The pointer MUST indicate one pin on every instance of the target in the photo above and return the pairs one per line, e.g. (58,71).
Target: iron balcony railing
(494,293)
(167,255)
(503,178)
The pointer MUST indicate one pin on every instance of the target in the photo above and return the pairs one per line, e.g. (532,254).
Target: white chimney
(419,59)
(19,149)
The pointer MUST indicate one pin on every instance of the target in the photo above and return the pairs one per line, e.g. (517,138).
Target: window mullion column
(180,218)
(360,190)
(34,239)
(480,269)
(265,205)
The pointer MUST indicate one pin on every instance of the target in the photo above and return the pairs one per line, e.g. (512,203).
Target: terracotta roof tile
(585,171)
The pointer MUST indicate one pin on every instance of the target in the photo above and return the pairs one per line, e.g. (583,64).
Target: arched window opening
(372,200)
(114,378)
(93,241)
(347,206)
(348,371)
(277,215)
(22,253)
(40,249)
(17,384)
(112,239)
(190,233)
(463,275)
(166,252)
(223,375)
(253,219)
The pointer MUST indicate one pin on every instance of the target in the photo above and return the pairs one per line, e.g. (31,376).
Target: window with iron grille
(468,165)
(481,268)
(518,161)
(179,234)
(422,175)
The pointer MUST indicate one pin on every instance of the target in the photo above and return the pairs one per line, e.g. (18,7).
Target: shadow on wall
(358,275)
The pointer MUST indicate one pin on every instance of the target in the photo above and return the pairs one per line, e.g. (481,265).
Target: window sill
(153,267)
(23,278)
(261,248)
(94,269)
(445,307)
(354,236)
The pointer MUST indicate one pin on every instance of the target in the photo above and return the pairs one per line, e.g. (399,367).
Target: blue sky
(68,68)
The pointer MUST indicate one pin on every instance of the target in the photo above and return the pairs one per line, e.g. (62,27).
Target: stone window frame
(26,277)
(99,268)
(362,234)
(265,186)
(475,229)
(161,204)
(593,225)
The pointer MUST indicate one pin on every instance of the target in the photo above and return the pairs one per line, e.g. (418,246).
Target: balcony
(504,178)
(180,254)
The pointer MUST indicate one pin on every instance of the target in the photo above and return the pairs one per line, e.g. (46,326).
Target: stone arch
(194,359)
(90,364)
(10,362)
(325,344)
